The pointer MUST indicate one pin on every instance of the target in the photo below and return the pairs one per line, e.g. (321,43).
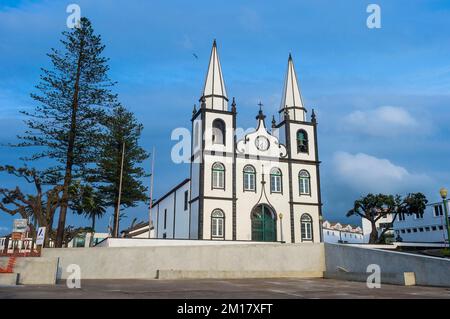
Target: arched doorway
(264,225)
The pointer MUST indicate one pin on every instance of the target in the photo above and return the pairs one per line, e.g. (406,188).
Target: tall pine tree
(72,98)
(122,128)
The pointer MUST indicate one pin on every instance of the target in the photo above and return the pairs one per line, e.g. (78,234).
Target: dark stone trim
(290,177)
(306,204)
(218,198)
(194,199)
(202,180)
(319,194)
(200,111)
(214,95)
(293,108)
(174,212)
(258,157)
(234,206)
(285,121)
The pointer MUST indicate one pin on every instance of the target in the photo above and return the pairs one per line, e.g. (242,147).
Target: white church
(263,187)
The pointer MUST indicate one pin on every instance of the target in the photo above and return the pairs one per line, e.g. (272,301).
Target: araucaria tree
(374,207)
(122,128)
(72,98)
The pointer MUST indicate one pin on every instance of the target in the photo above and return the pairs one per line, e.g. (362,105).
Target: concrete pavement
(222,289)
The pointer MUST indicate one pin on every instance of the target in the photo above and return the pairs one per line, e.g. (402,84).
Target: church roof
(291,92)
(214,90)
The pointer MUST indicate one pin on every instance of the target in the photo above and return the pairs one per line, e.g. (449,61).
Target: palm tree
(88,202)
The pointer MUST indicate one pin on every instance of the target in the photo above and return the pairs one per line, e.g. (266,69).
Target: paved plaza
(222,289)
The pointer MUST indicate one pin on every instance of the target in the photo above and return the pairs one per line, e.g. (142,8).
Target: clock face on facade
(262,143)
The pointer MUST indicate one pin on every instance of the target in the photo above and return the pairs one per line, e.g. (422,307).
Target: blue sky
(382,95)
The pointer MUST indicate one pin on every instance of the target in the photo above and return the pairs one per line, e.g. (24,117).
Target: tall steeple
(214,91)
(292,99)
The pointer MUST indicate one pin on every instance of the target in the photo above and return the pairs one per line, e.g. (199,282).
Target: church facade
(264,186)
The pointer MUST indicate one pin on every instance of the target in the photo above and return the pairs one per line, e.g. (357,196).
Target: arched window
(218,176)
(275,180)
(217,224)
(302,142)
(249,178)
(218,132)
(306,227)
(304,183)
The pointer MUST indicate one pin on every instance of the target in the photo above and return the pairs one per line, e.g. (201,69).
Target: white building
(342,233)
(139,230)
(83,240)
(263,187)
(430,227)
(426,228)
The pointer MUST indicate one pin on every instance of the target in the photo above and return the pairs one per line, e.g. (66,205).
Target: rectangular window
(434,228)
(186,200)
(427,228)
(219,179)
(421,229)
(249,182)
(165,218)
(217,227)
(304,186)
(438,211)
(403,231)
(408,231)
(441,227)
(275,184)
(164,236)
(401,216)
(306,231)
(415,230)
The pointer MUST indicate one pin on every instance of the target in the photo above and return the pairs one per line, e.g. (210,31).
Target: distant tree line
(80,128)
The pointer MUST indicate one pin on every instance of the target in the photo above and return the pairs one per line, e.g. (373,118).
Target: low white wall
(144,262)
(145,242)
(34,271)
(429,271)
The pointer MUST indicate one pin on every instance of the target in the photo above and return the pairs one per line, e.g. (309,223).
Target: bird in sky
(195,55)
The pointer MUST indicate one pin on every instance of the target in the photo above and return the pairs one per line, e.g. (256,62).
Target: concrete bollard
(410,278)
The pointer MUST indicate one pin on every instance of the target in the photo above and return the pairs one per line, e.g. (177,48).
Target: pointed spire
(233,106)
(313,117)
(214,90)
(292,97)
(274,123)
(194,111)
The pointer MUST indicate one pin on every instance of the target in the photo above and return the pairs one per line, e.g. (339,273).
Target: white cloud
(382,121)
(369,174)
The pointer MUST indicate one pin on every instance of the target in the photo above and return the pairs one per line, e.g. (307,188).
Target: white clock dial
(262,143)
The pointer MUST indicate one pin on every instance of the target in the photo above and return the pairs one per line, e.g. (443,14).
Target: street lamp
(444,192)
